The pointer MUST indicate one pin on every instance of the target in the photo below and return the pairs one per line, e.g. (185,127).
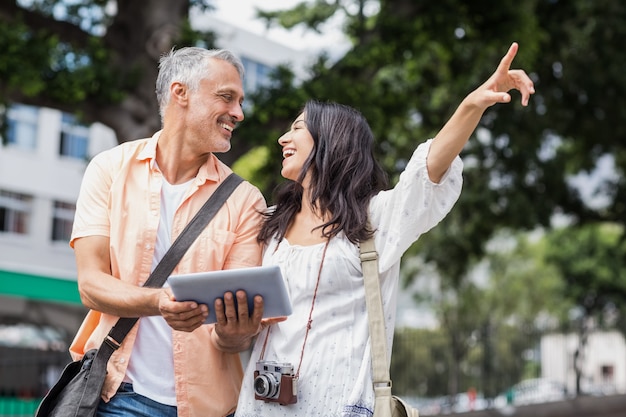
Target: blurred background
(515,300)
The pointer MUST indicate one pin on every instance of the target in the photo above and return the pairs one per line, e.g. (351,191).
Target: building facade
(42,158)
(602,361)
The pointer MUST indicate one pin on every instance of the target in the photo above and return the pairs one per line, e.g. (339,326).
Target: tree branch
(67,32)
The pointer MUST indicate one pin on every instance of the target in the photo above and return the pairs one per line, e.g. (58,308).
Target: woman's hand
(455,133)
(496,88)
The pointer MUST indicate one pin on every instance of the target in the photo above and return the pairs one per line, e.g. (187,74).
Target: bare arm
(101,291)
(451,139)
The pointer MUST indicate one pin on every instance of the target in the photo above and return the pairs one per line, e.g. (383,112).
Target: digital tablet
(205,287)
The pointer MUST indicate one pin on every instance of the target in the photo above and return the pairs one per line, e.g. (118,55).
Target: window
(257,75)
(15,210)
(608,373)
(74,138)
(263,74)
(62,221)
(22,122)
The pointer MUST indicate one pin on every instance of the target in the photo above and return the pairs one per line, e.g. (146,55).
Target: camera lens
(266,386)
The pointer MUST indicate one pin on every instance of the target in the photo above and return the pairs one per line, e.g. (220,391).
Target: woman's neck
(305,227)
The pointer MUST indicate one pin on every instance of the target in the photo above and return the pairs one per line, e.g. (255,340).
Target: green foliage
(415,62)
(310,13)
(592,260)
(488,322)
(409,67)
(14,38)
(419,362)
(524,285)
(251,163)
(88,58)
(37,62)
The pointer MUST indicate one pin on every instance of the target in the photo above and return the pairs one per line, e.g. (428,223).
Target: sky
(241,13)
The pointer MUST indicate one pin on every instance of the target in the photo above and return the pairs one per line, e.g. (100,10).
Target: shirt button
(122,360)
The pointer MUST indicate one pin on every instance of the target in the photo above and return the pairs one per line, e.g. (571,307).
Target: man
(135,199)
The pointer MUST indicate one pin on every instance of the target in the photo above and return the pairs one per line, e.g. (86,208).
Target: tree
(410,65)
(413,61)
(419,363)
(591,259)
(523,302)
(94,58)
(487,325)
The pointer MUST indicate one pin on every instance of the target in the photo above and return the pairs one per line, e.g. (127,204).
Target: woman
(313,234)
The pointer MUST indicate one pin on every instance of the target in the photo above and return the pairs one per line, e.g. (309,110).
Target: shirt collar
(207,172)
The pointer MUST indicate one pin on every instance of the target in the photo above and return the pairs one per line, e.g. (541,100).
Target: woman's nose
(284,138)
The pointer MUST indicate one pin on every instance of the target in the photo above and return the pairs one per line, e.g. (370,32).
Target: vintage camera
(275,382)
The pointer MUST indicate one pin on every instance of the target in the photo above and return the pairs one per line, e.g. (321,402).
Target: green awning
(36,287)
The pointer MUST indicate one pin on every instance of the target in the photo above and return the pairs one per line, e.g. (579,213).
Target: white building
(603,361)
(42,159)
(258,53)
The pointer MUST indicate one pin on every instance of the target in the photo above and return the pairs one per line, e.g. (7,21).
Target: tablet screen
(205,287)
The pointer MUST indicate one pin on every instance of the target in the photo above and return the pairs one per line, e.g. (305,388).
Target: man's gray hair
(189,66)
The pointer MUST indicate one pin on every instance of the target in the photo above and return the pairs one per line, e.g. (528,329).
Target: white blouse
(335,374)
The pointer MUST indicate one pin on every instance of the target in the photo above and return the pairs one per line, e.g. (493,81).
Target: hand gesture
(456,132)
(496,88)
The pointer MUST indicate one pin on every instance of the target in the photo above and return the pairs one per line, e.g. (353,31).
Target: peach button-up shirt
(120,198)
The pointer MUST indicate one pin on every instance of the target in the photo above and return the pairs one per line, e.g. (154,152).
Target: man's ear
(178,92)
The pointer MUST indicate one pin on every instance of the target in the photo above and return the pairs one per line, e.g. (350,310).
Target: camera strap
(309,321)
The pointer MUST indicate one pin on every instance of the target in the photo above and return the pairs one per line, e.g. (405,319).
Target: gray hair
(189,66)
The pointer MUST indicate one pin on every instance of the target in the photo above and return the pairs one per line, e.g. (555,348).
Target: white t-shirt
(151,365)
(335,376)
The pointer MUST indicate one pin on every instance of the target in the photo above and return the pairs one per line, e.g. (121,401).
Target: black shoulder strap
(171,258)
(192,231)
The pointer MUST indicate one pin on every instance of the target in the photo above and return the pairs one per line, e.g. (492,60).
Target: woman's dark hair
(344,175)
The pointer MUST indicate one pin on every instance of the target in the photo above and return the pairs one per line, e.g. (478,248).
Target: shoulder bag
(386,404)
(77,391)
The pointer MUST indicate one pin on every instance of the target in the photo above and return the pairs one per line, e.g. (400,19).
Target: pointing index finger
(507,60)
